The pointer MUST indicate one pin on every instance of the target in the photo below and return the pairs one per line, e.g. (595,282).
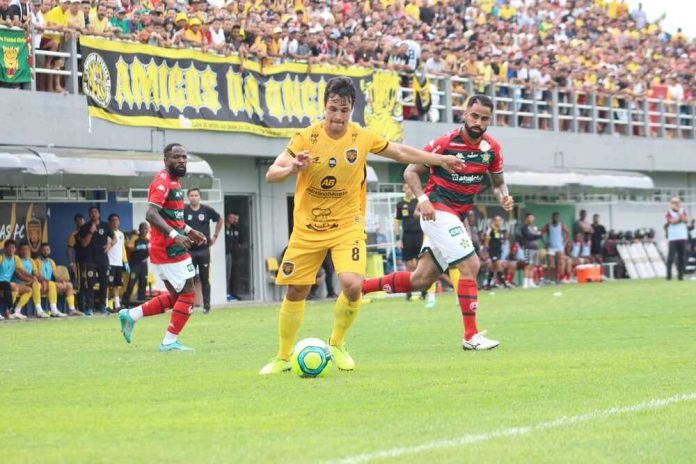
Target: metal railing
(551,109)
(561,109)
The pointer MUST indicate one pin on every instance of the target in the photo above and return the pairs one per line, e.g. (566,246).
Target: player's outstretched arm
(156,220)
(412,176)
(501,191)
(408,155)
(286,165)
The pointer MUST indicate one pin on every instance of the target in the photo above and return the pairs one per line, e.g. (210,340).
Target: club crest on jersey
(201,217)
(486,157)
(332,162)
(288,267)
(351,155)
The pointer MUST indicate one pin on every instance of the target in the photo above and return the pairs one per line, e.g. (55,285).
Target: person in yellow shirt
(193,36)
(412,9)
(507,12)
(329,158)
(29,278)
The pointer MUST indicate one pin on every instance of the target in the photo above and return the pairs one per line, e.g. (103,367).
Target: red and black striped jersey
(455,192)
(167,196)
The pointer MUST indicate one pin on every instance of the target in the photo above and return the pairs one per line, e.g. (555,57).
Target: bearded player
(330,160)
(447,198)
(169,243)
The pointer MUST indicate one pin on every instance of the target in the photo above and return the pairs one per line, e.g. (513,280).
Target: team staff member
(495,236)
(330,159)
(95,237)
(118,261)
(678,236)
(233,253)
(198,217)
(138,247)
(407,227)
(76,259)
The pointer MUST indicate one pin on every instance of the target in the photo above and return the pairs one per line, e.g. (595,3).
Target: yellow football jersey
(330,193)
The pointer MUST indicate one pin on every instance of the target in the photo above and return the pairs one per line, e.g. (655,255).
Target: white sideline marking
(515,431)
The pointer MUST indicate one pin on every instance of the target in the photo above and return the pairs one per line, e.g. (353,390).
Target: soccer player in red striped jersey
(169,243)
(444,203)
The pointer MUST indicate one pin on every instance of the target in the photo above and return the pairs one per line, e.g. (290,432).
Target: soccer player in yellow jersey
(330,158)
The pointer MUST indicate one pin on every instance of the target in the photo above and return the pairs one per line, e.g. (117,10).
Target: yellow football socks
(345,313)
(36,294)
(52,294)
(290,320)
(70,299)
(23,300)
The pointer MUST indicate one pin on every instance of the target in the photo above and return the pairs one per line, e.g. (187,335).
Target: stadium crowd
(586,45)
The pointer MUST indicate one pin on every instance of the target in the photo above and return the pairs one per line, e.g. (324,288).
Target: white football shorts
(447,240)
(176,273)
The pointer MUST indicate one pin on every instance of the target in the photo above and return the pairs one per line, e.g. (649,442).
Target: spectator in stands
(530,235)
(599,235)
(677,235)
(76,18)
(556,237)
(19,13)
(95,237)
(118,261)
(138,249)
(10,268)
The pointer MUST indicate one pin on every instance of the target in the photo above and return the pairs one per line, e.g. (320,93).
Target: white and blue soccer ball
(311,357)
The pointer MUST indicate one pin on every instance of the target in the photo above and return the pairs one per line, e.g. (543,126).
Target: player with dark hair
(444,203)
(170,241)
(330,195)
(198,217)
(118,261)
(96,238)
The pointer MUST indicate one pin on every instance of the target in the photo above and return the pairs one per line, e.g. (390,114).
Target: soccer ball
(311,357)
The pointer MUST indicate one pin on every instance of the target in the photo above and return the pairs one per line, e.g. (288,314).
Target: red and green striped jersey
(455,192)
(167,196)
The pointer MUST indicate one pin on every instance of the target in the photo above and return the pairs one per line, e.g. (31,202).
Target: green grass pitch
(73,391)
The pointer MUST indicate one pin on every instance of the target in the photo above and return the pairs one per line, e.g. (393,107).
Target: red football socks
(468,302)
(181,312)
(158,305)
(396,282)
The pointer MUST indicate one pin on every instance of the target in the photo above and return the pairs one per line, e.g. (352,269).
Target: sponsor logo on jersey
(328,182)
(314,137)
(190,217)
(316,160)
(484,146)
(454,231)
(332,162)
(287,268)
(351,155)
(321,221)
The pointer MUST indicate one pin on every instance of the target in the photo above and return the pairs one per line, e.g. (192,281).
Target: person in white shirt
(217,35)
(678,236)
(118,261)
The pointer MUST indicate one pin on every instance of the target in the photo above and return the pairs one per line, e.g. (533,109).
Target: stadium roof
(110,170)
(593,180)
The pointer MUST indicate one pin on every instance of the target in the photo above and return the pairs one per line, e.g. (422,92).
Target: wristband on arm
(173,234)
(423,198)
(187,229)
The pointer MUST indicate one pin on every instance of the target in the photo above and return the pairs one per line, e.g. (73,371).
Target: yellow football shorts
(303,258)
